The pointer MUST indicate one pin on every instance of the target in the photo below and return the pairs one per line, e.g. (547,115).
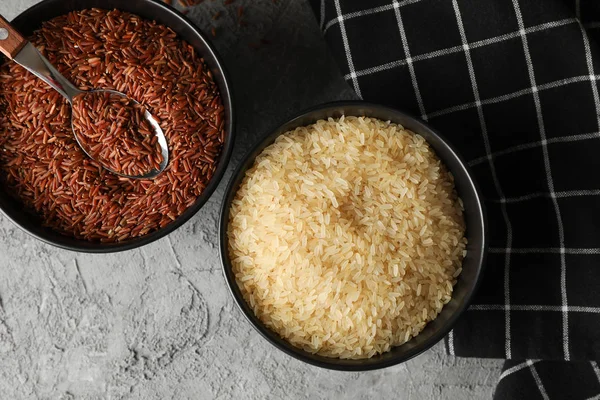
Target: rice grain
(347,236)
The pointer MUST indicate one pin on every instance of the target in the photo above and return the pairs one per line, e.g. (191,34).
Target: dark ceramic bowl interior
(472,265)
(31,19)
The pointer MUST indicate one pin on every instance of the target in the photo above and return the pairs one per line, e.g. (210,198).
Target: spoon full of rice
(111,128)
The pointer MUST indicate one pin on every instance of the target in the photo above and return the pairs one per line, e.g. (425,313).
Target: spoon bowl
(14,46)
(155,126)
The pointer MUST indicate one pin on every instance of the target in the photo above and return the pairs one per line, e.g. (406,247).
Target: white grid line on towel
(411,68)
(525,146)
(538,381)
(347,48)
(484,133)
(536,195)
(589,61)
(533,307)
(367,11)
(547,250)
(322,21)
(514,95)
(512,370)
(456,49)
(596,369)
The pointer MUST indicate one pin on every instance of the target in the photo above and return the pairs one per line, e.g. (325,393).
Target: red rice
(42,165)
(114,131)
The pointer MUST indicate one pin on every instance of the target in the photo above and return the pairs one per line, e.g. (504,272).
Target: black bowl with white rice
(353,236)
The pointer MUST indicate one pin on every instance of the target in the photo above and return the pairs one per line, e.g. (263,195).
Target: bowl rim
(227,97)
(272,337)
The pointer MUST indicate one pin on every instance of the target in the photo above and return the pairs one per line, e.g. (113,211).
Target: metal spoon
(14,46)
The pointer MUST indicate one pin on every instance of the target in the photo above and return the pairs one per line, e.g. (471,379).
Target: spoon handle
(21,51)
(11,41)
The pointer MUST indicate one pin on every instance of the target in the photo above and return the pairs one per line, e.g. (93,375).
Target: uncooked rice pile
(347,236)
(40,161)
(114,131)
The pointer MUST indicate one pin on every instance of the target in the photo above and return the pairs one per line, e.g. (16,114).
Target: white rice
(346,236)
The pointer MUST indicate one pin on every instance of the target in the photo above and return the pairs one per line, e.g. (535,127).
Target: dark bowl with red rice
(148,10)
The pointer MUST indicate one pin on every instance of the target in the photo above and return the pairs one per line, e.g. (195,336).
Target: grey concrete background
(158,322)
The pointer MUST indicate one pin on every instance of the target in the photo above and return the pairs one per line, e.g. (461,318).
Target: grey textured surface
(159,323)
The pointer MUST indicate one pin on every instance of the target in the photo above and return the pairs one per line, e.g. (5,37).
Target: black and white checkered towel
(514,85)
